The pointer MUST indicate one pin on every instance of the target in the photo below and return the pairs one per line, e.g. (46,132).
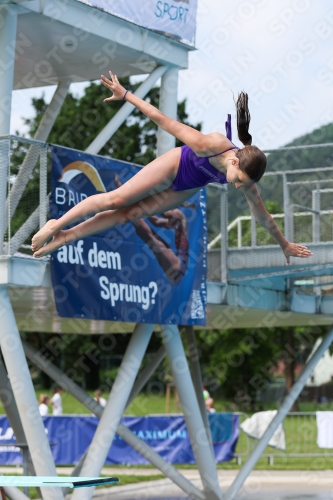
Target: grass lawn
(301,433)
(142,405)
(151,405)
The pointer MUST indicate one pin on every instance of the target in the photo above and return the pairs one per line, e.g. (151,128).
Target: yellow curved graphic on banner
(81,167)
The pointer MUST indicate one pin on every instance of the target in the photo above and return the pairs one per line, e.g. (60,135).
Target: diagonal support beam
(4,167)
(14,493)
(197,380)
(145,375)
(140,446)
(194,423)
(24,231)
(32,155)
(124,112)
(9,404)
(277,420)
(25,397)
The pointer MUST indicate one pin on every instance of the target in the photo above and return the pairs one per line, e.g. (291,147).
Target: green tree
(232,359)
(239,364)
(82,118)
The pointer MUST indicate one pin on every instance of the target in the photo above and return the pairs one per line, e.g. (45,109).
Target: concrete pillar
(168,106)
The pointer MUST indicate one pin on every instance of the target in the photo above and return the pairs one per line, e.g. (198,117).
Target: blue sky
(279,52)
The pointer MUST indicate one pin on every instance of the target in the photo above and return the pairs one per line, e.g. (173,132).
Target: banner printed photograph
(151,270)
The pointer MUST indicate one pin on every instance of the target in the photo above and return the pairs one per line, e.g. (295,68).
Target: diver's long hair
(252,160)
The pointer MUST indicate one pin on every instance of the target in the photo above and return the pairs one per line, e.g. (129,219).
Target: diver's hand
(295,250)
(113,84)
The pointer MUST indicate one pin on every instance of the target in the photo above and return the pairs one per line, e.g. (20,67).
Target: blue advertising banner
(150,270)
(167,435)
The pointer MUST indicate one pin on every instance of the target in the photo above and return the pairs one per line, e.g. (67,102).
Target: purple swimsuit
(195,171)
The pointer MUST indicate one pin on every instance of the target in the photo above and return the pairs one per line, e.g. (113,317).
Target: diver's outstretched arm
(263,217)
(201,144)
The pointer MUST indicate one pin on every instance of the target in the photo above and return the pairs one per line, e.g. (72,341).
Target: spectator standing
(44,401)
(205,392)
(210,405)
(98,398)
(56,401)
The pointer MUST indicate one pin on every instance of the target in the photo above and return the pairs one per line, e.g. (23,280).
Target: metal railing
(26,200)
(300,430)
(307,218)
(238,224)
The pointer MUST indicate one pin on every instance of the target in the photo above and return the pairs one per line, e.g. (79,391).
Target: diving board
(54,481)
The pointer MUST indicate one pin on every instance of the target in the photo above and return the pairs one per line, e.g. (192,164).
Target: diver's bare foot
(43,235)
(58,241)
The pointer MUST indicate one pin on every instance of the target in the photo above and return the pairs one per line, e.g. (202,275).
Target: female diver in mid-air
(170,179)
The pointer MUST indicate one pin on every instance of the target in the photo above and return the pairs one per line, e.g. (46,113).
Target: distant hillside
(307,158)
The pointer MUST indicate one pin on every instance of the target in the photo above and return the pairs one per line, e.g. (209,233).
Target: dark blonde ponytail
(243,119)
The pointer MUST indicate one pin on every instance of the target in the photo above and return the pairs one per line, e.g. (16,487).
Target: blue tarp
(167,435)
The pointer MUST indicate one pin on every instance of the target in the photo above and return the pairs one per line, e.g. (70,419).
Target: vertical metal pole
(115,406)
(239,233)
(197,380)
(4,167)
(286,206)
(8,15)
(316,203)
(168,106)
(194,423)
(253,231)
(25,397)
(43,199)
(291,218)
(282,412)
(224,235)
(316,216)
